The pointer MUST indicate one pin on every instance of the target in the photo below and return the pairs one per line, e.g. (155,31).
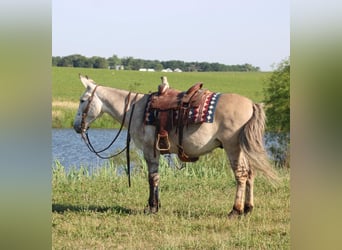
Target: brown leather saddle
(166,104)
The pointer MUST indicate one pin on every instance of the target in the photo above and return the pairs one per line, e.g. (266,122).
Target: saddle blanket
(203,113)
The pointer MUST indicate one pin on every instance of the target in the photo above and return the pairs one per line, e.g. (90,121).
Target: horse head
(90,107)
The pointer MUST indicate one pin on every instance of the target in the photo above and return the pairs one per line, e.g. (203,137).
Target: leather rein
(86,139)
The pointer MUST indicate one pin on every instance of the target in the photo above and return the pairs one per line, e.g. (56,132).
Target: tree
(55,60)
(130,63)
(65,62)
(99,62)
(127,62)
(78,60)
(114,61)
(277,101)
(277,98)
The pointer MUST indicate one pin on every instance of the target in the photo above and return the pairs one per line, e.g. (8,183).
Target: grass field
(96,209)
(99,211)
(67,88)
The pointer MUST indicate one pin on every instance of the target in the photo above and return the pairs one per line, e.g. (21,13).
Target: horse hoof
(150,210)
(247,209)
(234,214)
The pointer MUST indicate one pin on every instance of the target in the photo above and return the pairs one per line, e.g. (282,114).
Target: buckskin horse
(237,126)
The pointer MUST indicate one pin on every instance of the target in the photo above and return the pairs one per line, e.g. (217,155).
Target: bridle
(86,139)
(84,130)
(86,110)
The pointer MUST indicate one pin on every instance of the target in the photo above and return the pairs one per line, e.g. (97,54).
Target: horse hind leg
(244,185)
(249,195)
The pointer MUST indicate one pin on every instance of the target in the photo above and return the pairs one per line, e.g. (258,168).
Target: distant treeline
(130,63)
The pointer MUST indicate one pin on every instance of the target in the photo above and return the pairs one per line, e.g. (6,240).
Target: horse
(238,127)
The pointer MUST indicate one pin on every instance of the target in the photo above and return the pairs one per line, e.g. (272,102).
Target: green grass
(95,209)
(99,211)
(66,87)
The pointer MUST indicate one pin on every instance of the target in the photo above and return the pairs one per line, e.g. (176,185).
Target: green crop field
(67,88)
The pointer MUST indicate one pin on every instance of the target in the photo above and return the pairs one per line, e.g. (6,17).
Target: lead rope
(128,140)
(91,147)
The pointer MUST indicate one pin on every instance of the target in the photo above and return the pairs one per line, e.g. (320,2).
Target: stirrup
(165,139)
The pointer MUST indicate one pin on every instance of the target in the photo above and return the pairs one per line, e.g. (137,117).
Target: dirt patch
(65,104)
(57,114)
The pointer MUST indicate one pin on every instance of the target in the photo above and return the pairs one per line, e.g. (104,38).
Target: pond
(70,150)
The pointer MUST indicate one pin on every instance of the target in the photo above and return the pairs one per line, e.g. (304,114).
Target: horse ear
(87,83)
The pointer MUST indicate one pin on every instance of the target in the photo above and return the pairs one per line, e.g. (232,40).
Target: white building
(167,70)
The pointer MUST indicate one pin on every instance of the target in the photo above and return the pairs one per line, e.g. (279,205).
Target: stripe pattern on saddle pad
(204,113)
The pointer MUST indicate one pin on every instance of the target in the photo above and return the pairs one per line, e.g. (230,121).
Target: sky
(223,31)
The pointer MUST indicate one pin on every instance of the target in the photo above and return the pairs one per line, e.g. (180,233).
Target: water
(70,150)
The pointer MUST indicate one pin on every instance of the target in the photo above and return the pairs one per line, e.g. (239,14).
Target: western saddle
(166,102)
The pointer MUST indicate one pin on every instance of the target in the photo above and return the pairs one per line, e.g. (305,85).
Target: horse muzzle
(79,128)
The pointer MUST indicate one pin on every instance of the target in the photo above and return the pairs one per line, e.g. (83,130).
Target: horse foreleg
(153,200)
(153,181)
(241,176)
